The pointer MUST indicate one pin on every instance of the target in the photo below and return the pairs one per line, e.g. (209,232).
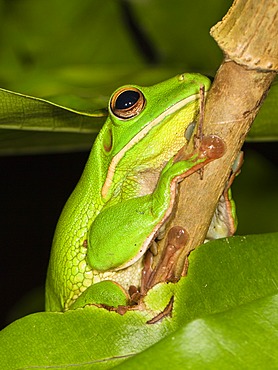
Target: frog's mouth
(139,136)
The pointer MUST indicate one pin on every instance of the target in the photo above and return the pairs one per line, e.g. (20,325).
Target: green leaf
(48,34)
(265,127)
(186,40)
(245,337)
(20,113)
(83,337)
(227,304)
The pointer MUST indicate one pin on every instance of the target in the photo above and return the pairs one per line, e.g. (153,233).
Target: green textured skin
(79,242)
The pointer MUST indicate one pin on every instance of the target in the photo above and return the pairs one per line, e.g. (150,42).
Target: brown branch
(248,36)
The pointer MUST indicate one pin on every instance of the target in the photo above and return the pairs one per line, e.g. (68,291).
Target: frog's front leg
(122,233)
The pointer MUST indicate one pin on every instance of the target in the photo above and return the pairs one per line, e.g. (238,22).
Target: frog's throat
(116,159)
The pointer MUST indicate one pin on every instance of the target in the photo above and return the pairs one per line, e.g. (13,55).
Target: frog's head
(146,125)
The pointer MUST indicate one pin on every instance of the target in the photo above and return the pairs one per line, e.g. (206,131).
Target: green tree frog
(125,194)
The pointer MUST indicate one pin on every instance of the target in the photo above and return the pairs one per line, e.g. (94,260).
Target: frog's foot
(236,168)
(164,270)
(224,221)
(210,147)
(106,293)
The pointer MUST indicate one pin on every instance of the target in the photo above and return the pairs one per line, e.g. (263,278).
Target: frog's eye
(127,102)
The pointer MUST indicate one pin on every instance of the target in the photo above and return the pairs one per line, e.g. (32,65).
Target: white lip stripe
(139,136)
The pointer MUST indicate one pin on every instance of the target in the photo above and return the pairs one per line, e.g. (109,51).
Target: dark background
(33,192)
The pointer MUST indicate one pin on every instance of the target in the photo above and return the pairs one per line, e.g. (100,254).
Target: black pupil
(127,99)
